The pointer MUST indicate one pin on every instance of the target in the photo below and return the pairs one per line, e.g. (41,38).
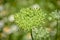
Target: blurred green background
(9,30)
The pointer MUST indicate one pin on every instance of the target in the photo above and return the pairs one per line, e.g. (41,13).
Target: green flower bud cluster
(55,14)
(40,34)
(29,18)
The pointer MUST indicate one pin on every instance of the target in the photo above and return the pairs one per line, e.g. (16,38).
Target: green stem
(32,35)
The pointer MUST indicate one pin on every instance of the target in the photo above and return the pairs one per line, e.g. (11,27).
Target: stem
(57,28)
(31,35)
